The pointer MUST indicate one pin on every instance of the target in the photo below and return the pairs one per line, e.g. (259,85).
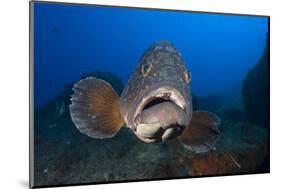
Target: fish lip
(170,93)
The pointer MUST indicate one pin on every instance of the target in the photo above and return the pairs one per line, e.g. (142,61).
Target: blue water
(70,40)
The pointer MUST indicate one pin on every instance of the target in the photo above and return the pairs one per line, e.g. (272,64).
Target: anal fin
(95,108)
(202,133)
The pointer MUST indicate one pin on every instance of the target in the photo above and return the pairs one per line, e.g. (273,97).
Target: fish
(156,104)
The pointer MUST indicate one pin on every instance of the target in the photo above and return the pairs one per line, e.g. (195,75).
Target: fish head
(156,104)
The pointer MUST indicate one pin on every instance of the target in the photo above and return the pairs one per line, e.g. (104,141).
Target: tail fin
(95,108)
(202,133)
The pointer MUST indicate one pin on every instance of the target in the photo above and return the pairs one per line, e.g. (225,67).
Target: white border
(237,6)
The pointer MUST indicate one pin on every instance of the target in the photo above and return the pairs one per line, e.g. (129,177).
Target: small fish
(156,104)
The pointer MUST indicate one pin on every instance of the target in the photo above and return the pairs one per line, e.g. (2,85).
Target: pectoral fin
(202,133)
(95,108)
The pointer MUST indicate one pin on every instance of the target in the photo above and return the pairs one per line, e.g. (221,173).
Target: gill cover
(94,108)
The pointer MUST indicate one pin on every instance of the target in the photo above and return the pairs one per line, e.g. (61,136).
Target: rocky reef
(255,91)
(63,155)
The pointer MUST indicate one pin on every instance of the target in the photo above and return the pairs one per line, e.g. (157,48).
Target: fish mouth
(157,132)
(161,95)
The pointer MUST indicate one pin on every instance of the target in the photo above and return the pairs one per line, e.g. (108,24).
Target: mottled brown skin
(161,66)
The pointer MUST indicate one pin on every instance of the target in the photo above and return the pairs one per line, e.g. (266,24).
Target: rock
(255,91)
(246,160)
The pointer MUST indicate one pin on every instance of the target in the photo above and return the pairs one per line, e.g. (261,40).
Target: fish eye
(187,77)
(145,68)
